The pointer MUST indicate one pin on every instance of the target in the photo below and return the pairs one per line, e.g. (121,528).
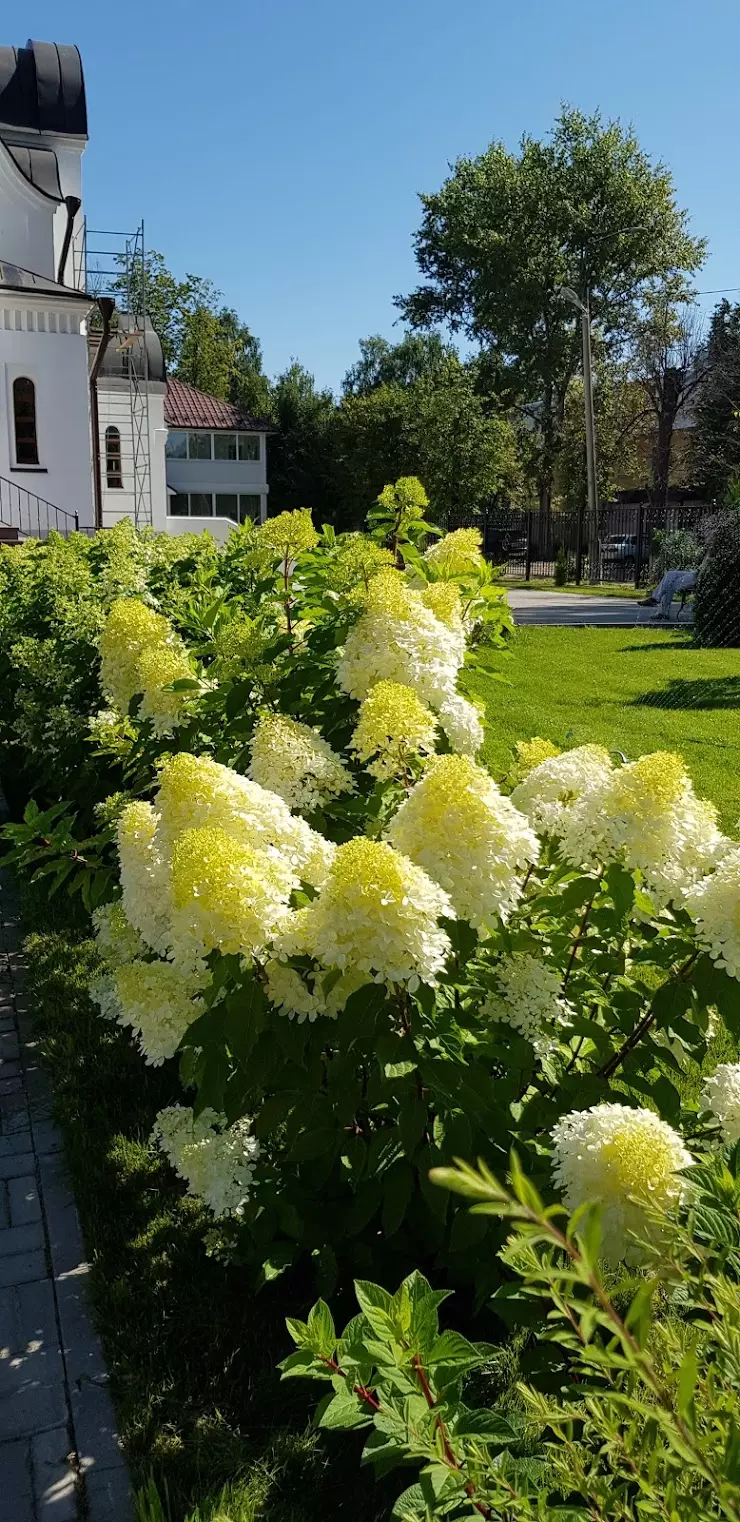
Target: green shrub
(678,550)
(717,603)
(630,1411)
(561,567)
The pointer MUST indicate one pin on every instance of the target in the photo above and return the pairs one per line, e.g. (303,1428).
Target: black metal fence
(527,544)
(32,516)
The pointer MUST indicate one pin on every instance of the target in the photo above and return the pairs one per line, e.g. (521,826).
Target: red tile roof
(187,407)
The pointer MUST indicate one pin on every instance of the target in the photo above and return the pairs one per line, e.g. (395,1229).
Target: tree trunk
(663,447)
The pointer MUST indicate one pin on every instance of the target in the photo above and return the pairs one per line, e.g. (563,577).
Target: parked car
(619,549)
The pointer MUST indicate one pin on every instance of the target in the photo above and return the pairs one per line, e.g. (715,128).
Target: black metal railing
(527,544)
(32,516)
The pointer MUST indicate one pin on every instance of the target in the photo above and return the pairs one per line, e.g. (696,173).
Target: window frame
(241,497)
(115,484)
(238,435)
(18,463)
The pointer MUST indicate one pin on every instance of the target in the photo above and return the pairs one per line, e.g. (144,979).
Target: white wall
(220,528)
(26,221)
(46,340)
(114,410)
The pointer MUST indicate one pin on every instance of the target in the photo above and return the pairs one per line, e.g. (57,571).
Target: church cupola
(43,132)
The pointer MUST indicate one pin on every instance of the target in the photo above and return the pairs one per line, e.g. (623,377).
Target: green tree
(622,416)
(586,209)
(302,452)
(439,428)
(716,454)
(381,363)
(669,363)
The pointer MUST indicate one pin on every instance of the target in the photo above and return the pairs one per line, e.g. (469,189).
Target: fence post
(579,545)
(528,561)
(638,546)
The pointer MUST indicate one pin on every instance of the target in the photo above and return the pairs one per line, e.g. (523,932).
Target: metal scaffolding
(114,264)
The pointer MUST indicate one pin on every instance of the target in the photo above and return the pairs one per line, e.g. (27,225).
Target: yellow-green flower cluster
(140,653)
(118,941)
(443,597)
(714,904)
(398,639)
(462,724)
(195,792)
(158,1002)
(528,754)
(626,1161)
(647,816)
(393,729)
(357,559)
(406,500)
(554,783)
(215,1160)
(289,534)
(457,554)
(376,914)
(226,896)
(239,646)
(296,762)
(467,837)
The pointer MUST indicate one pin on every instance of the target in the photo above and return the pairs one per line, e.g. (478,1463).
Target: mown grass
(635,689)
(547,584)
(210,1433)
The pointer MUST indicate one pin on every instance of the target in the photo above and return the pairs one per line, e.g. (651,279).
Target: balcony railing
(32,516)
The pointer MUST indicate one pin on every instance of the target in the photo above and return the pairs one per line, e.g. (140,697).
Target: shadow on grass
(703,692)
(679,642)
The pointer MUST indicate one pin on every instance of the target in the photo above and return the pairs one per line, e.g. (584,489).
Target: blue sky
(279,147)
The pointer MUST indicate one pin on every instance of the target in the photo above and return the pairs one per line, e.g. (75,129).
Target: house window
(249,446)
(199,446)
(224,446)
(227,506)
(24,416)
(113,466)
(201,504)
(176,447)
(179,505)
(249,507)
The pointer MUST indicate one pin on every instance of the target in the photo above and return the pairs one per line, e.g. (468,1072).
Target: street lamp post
(588,399)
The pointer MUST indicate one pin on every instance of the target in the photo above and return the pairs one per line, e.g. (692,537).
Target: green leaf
(621,887)
(486,1425)
(687,1377)
(377,1305)
(320,1327)
(315,1143)
(344,1412)
(412,1120)
(411,1506)
(398,1185)
(578,893)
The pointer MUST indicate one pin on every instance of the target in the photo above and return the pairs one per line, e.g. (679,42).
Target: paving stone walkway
(59,1455)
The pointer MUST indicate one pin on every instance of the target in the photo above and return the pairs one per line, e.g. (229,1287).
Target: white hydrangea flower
(469,838)
(549,790)
(117,940)
(647,816)
(721,1095)
(398,639)
(529,997)
(458,553)
(623,1160)
(196,793)
(376,915)
(217,1161)
(157,1001)
(145,879)
(226,896)
(714,904)
(462,724)
(296,762)
(319,993)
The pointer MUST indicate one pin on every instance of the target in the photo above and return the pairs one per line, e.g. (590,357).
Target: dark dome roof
(42,87)
(116,358)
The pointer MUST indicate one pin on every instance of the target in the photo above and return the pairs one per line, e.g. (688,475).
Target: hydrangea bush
(366,955)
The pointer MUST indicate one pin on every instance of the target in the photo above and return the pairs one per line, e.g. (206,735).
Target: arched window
(113,467)
(24,417)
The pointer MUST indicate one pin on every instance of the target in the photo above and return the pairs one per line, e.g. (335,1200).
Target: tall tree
(302,452)
(622,417)
(670,365)
(385,364)
(438,428)
(586,209)
(716,450)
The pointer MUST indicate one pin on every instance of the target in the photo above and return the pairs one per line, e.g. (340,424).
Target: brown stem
(615,1062)
(287,595)
(579,937)
(450,1457)
(361,1390)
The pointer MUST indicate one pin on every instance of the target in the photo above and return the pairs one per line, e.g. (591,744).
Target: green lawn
(547,584)
(635,690)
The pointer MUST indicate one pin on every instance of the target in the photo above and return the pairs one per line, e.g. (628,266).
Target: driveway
(580,608)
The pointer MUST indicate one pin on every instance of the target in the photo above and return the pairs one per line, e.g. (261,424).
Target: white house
(91,429)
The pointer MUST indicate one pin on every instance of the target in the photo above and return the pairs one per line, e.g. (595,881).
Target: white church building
(91,428)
